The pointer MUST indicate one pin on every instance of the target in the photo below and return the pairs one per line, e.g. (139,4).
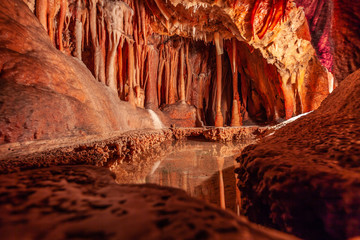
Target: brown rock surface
(305,178)
(45,94)
(84,202)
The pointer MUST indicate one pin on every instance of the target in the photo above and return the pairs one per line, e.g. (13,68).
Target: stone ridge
(99,150)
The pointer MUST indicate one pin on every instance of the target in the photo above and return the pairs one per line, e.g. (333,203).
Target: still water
(205,170)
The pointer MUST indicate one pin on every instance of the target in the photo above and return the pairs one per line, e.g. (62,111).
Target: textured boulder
(45,94)
(305,178)
(84,202)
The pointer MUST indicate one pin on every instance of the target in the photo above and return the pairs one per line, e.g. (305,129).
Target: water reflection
(203,169)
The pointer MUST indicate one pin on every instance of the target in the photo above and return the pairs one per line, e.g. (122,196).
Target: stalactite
(131,97)
(102,39)
(78,30)
(189,72)
(160,72)
(120,69)
(219,120)
(152,75)
(174,61)
(52,4)
(114,15)
(63,7)
(83,23)
(143,21)
(235,120)
(181,75)
(94,37)
(41,12)
(87,26)
(167,74)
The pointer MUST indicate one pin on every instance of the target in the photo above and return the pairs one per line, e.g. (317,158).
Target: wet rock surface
(305,178)
(106,149)
(83,202)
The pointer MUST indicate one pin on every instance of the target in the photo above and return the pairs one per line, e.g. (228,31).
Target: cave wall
(158,54)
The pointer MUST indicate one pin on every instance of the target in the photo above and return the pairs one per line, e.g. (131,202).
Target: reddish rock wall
(305,178)
(346,37)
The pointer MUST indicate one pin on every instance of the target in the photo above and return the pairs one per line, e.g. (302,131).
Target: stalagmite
(41,12)
(181,75)
(163,9)
(63,7)
(78,30)
(219,120)
(235,118)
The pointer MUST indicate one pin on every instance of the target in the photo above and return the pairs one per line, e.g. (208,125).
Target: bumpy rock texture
(305,178)
(346,37)
(86,203)
(45,94)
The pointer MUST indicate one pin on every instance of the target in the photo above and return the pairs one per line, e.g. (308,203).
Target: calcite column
(235,118)
(181,75)
(219,120)
(78,30)
(151,84)
(41,12)
(189,72)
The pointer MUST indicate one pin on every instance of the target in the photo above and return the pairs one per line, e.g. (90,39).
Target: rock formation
(305,178)
(157,53)
(45,94)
